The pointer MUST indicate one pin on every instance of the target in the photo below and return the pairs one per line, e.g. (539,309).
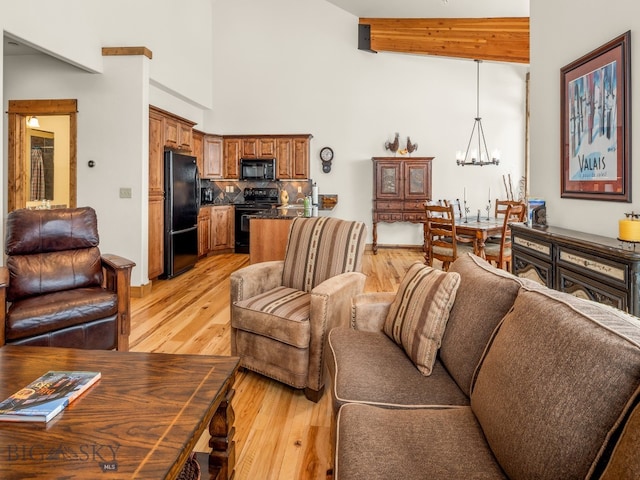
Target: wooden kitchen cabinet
(249,148)
(290,151)
(258,147)
(284,154)
(222,228)
(156,195)
(300,160)
(292,157)
(231,160)
(198,149)
(594,267)
(213,157)
(178,133)
(156,154)
(266,147)
(204,231)
(401,188)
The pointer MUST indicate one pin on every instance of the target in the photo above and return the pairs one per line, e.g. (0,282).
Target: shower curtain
(37,175)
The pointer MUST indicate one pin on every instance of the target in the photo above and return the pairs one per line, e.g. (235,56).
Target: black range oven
(256,200)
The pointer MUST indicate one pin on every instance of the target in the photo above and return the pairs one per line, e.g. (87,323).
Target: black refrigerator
(181,205)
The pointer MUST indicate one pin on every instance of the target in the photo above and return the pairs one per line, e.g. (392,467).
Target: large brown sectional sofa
(528,383)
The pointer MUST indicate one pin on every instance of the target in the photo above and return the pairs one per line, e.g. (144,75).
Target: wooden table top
(140,420)
(484,224)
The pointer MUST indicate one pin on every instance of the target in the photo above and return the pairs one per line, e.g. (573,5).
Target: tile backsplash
(232,191)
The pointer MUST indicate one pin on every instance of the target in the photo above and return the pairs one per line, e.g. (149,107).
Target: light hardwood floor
(279,433)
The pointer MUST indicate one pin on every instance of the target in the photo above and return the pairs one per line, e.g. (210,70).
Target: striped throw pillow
(419,313)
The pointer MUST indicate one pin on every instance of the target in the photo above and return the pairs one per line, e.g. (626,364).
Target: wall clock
(326,155)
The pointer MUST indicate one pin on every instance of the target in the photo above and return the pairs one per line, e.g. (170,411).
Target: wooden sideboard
(599,268)
(401,187)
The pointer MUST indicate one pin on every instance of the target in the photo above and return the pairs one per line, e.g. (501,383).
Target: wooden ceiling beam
(498,39)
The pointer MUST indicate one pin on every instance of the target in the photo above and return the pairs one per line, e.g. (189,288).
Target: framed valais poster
(595,122)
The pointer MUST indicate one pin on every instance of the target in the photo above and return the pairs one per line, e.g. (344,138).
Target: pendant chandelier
(480,155)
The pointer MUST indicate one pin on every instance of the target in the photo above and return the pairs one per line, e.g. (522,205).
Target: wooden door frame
(19,110)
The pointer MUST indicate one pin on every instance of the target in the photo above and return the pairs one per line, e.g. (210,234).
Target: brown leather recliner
(59,290)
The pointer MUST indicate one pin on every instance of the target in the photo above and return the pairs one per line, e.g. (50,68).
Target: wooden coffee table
(141,420)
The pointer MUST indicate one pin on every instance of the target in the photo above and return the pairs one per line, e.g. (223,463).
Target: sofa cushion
(369,367)
(411,444)
(557,380)
(50,312)
(320,242)
(419,313)
(484,296)
(281,314)
(41,273)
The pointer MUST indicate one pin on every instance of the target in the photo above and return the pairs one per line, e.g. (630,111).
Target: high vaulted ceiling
(434,8)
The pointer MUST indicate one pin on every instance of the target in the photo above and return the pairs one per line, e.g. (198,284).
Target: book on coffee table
(46,396)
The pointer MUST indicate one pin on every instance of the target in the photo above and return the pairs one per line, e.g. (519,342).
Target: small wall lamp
(32,122)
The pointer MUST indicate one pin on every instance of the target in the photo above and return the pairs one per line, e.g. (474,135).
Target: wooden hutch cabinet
(401,188)
(598,268)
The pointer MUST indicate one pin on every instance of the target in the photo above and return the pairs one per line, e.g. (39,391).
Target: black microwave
(258,169)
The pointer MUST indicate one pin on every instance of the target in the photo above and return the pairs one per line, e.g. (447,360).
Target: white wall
(112,131)
(562,32)
(294,67)
(178,34)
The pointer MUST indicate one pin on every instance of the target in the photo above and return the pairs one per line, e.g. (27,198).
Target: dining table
(481,228)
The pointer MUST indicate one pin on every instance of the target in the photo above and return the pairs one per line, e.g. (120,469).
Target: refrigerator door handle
(197,192)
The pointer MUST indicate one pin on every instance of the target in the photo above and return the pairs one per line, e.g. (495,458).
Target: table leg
(481,239)
(425,248)
(374,245)
(223,450)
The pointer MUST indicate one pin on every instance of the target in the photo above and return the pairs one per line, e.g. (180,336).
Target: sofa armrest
(117,278)
(330,308)
(369,310)
(260,277)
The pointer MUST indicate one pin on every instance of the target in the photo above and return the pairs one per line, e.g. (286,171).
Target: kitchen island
(269,234)
(270,229)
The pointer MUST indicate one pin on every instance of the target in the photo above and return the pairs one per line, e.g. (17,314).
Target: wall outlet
(299,189)
(125,192)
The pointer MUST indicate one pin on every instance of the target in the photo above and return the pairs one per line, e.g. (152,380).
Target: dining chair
(500,252)
(459,213)
(457,208)
(441,241)
(502,205)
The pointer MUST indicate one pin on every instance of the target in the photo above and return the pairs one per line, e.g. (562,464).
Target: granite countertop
(280,213)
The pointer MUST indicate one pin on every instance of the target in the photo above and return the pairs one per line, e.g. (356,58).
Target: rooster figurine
(411,147)
(393,146)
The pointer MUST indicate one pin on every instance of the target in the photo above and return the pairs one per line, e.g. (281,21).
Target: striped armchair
(282,311)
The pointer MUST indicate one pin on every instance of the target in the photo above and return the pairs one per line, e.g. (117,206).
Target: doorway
(19,159)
